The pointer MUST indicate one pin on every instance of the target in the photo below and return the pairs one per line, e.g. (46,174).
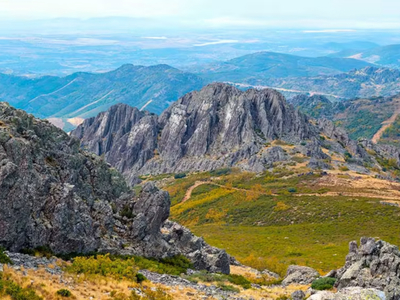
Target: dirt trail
(375,139)
(189,192)
(379,195)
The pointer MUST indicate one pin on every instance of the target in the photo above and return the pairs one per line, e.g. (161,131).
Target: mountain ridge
(218,127)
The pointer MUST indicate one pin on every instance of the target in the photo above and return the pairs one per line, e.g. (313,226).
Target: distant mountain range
(67,101)
(82,95)
(366,82)
(259,67)
(388,56)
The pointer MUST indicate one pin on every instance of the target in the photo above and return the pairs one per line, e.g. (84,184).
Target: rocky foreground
(53,194)
(370,272)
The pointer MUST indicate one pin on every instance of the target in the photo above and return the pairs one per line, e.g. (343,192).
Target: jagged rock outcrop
(216,127)
(373,264)
(54,194)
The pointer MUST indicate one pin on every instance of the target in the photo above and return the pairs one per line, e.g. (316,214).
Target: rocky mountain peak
(217,126)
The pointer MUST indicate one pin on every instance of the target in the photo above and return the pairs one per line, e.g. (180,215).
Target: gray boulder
(353,293)
(298,295)
(299,275)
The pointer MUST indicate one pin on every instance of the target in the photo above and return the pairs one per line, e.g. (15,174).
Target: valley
(300,219)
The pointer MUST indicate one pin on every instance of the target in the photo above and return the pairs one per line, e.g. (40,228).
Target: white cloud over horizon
(219,13)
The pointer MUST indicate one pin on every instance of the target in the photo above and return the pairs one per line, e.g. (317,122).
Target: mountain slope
(52,194)
(261,66)
(84,95)
(362,118)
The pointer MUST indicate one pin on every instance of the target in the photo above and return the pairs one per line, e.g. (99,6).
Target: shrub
(126,212)
(41,251)
(347,155)
(64,293)
(103,265)
(325,283)
(228,288)
(178,261)
(140,278)
(221,172)
(180,175)
(292,190)
(16,292)
(239,280)
(4,259)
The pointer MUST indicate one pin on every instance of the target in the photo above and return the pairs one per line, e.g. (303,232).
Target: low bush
(221,278)
(221,172)
(4,259)
(64,293)
(180,175)
(228,288)
(140,278)
(41,251)
(325,283)
(103,265)
(14,291)
(106,265)
(239,280)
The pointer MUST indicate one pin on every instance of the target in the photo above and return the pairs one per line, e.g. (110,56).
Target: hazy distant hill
(84,95)
(366,82)
(386,55)
(258,67)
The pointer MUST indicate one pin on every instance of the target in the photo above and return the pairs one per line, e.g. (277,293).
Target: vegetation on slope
(277,219)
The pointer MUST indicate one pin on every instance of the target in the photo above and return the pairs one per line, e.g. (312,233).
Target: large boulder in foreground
(56,195)
(352,293)
(299,275)
(372,264)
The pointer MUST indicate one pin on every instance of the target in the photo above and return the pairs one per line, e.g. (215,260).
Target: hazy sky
(220,13)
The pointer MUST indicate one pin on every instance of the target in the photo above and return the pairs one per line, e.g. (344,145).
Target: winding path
(377,136)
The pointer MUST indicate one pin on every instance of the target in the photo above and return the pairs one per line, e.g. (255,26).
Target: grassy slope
(269,227)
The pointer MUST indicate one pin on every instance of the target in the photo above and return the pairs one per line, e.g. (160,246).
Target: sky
(218,13)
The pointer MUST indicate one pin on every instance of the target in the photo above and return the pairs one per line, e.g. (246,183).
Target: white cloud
(217,43)
(329,31)
(155,38)
(219,13)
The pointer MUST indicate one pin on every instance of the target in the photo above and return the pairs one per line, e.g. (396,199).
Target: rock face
(54,194)
(300,275)
(373,264)
(217,127)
